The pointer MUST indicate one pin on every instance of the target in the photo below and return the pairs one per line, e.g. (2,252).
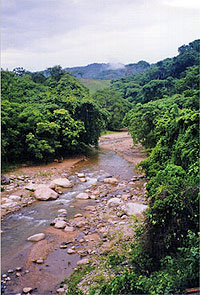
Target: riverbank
(93,226)
(15,195)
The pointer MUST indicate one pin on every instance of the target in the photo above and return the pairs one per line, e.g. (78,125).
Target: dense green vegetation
(112,102)
(164,257)
(50,116)
(162,78)
(44,118)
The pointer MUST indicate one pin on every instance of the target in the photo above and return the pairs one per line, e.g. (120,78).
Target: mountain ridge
(108,71)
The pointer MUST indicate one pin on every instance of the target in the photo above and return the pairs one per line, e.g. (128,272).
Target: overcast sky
(37,34)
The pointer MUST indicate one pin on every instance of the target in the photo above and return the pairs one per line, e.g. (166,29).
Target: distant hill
(94,85)
(103,71)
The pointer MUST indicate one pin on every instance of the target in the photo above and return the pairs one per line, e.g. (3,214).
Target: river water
(36,218)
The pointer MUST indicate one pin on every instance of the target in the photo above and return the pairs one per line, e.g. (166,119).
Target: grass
(75,278)
(105,132)
(94,85)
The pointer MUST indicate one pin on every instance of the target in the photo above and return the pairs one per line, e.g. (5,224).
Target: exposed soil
(123,146)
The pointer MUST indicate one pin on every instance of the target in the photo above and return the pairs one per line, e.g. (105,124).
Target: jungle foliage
(164,258)
(46,117)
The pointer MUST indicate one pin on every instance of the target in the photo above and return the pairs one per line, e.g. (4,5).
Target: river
(37,218)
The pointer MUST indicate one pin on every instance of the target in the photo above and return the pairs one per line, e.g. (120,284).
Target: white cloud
(78,32)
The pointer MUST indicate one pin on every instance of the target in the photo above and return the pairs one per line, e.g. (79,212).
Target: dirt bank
(122,144)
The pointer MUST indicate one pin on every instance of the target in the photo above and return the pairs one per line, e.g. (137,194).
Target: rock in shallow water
(82,196)
(61,182)
(44,193)
(36,237)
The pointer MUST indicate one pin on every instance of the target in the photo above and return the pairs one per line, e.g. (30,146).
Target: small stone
(83,261)
(110,180)
(63,246)
(80,223)
(18,274)
(18,268)
(39,261)
(69,229)
(27,290)
(4,276)
(82,196)
(36,237)
(90,208)
(83,180)
(71,251)
(81,175)
(7,279)
(93,197)
(114,202)
(78,215)
(62,211)
(60,224)
(123,217)
(10,271)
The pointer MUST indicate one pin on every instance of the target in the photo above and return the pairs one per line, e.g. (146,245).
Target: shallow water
(36,218)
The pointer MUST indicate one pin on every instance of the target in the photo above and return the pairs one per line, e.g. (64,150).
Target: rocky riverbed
(98,218)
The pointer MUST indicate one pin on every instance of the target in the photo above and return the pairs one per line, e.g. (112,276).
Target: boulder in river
(61,182)
(82,196)
(36,237)
(44,193)
(134,208)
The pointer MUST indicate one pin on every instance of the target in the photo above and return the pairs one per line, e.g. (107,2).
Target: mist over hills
(108,71)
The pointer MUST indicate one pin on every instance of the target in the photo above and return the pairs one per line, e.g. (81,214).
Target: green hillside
(94,85)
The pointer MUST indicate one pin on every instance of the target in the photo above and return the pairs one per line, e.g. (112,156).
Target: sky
(36,34)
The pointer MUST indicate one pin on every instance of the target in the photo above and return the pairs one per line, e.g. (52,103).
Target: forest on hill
(102,71)
(47,117)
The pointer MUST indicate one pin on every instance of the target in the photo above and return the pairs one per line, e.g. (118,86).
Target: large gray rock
(44,193)
(82,196)
(134,208)
(114,202)
(61,182)
(36,237)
